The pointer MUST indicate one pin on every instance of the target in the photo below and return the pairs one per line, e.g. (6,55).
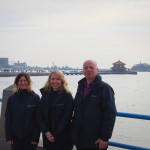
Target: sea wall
(12,74)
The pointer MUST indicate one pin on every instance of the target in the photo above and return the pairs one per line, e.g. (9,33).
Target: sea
(132,95)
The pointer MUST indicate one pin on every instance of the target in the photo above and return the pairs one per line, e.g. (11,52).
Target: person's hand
(9,142)
(101,144)
(50,137)
(34,143)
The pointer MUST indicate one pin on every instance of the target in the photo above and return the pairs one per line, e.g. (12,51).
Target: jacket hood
(44,91)
(48,91)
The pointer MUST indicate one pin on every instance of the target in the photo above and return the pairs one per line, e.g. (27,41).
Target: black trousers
(58,145)
(24,144)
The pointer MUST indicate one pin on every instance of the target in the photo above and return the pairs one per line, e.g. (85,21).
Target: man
(94,110)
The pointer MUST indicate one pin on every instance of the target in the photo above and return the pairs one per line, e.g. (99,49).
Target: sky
(68,32)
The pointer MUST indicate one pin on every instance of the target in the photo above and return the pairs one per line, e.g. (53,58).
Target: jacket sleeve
(8,121)
(40,117)
(67,116)
(109,113)
(36,133)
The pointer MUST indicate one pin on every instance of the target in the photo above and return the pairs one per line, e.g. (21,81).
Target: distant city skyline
(24,63)
(69,32)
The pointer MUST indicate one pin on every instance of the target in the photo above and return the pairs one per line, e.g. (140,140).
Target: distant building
(119,67)
(3,62)
(142,67)
(19,65)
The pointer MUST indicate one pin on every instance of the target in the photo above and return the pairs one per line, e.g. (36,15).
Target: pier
(12,74)
(66,72)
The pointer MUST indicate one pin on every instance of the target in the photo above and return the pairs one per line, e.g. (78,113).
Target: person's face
(23,83)
(55,82)
(90,70)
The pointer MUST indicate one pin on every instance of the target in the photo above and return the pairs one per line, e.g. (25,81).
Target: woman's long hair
(64,84)
(27,76)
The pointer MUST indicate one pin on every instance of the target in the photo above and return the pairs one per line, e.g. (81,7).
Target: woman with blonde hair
(55,112)
(21,127)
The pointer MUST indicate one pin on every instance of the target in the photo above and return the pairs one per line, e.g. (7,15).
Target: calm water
(132,95)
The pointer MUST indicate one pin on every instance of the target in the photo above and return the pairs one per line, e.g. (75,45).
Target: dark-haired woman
(21,127)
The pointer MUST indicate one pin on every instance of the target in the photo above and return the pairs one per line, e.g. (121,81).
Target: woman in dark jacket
(21,127)
(55,112)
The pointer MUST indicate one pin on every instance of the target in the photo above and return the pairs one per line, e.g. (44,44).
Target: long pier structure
(66,72)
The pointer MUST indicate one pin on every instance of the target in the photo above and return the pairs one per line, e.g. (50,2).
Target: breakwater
(11,74)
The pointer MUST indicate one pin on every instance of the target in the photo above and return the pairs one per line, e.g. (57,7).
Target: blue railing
(135,116)
(127,146)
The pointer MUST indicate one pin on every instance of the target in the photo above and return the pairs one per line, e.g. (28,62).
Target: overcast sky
(67,32)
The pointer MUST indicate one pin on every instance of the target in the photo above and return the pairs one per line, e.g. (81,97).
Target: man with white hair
(94,110)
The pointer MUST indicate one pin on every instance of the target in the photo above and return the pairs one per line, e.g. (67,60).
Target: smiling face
(90,69)
(55,82)
(23,83)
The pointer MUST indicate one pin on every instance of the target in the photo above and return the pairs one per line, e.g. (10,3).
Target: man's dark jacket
(94,115)
(20,116)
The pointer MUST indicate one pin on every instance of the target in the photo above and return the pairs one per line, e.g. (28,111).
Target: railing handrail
(127,146)
(135,116)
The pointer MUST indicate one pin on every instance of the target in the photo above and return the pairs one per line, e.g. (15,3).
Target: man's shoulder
(82,80)
(105,83)
(107,87)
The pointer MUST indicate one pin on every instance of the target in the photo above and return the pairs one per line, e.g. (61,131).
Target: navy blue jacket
(20,116)
(94,115)
(61,114)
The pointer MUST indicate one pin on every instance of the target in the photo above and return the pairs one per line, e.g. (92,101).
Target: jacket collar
(97,81)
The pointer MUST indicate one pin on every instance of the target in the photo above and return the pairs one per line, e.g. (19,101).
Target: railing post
(6,93)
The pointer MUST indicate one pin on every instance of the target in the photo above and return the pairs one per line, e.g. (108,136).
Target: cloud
(64,31)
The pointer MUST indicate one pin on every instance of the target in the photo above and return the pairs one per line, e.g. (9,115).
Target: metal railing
(127,146)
